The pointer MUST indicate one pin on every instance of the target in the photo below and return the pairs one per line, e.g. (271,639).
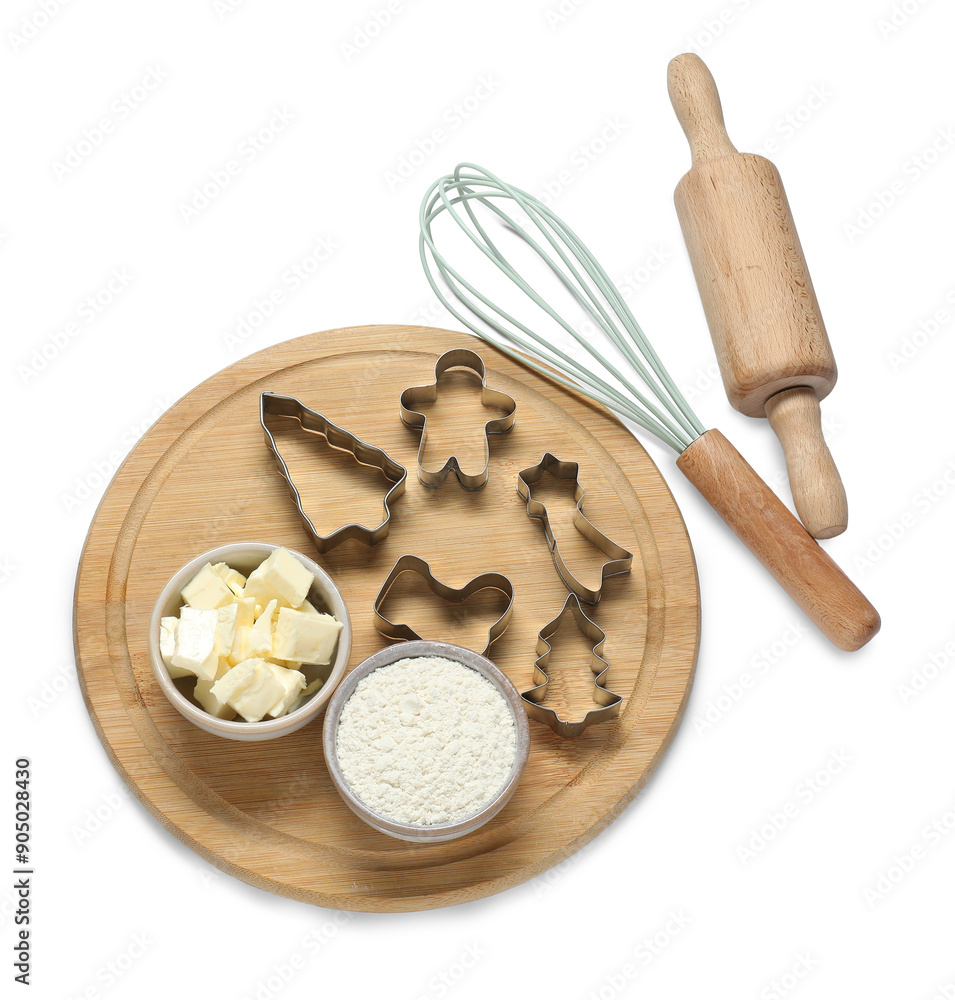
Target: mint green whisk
(672,421)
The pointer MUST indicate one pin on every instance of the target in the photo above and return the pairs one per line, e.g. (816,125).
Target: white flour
(426,740)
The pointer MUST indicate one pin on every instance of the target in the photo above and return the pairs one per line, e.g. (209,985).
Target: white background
(869,151)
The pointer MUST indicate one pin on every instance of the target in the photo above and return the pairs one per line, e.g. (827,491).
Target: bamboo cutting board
(202,476)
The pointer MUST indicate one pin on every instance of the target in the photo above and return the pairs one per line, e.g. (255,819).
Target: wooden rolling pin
(770,341)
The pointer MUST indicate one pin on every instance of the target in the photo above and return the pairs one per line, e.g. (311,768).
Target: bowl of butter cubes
(249,641)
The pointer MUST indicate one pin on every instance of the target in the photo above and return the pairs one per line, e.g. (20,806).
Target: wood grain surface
(754,284)
(202,476)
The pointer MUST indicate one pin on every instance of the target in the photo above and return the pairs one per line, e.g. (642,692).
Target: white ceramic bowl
(407,831)
(245,556)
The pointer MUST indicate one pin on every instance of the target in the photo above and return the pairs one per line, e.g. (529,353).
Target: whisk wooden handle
(696,102)
(779,541)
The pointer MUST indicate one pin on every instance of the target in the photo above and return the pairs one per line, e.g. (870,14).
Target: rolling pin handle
(696,102)
(817,489)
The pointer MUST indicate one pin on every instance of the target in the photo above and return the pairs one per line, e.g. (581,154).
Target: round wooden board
(266,812)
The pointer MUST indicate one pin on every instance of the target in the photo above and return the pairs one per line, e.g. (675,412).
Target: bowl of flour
(426,741)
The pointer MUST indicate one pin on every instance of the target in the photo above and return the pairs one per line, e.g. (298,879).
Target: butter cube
(308,609)
(258,588)
(225,628)
(240,645)
(205,697)
(293,683)
(288,664)
(207,590)
(167,637)
(167,646)
(243,645)
(280,576)
(261,634)
(250,688)
(307,638)
(232,578)
(306,693)
(253,640)
(261,692)
(230,682)
(195,643)
(245,610)
(279,602)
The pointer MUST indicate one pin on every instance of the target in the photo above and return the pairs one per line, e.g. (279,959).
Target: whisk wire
(616,400)
(598,297)
(492,251)
(454,279)
(608,289)
(613,400)
(579,290)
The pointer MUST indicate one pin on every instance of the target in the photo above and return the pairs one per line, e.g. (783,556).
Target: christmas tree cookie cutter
(608,701)
(275,404)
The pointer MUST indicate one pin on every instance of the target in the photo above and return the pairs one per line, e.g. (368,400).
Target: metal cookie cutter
(273,404)
(415,564)
(609,702)
(459,357)
(619,559)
